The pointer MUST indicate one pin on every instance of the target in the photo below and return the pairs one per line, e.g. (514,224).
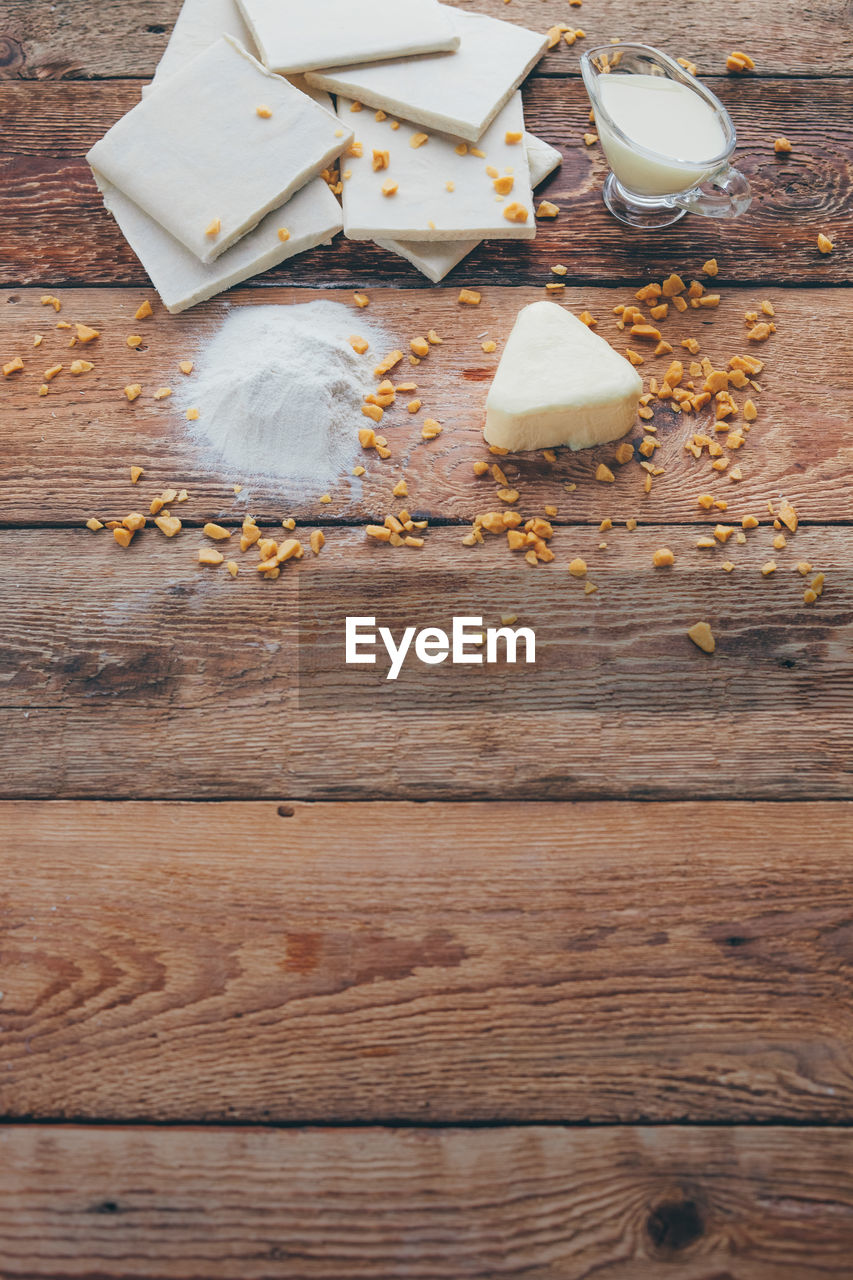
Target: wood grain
(53,228)
(538,1203)
(436,962)
(68,456)
(142,674)
(45,40)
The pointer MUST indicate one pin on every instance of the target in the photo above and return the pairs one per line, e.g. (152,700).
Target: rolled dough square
(312,217)
(459,93)
(441,195)
(296,35)
(195,152)
(200,24)
(437,259)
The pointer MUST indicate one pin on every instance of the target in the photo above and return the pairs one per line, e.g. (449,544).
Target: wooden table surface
(549,989)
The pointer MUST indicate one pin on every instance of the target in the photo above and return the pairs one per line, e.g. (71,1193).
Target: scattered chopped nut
(710,268)
(216,532)
(782,145)
(48,300)
(469,297)
(702,636)
(824,243)
(420,347)
(578,568)
(739,62)
(80,366)
(604,474)
(663,557)
(213,228)
(134,391)
(516,212)
(186,366)
(135,473)
(590,139)
(168,524)
(94,525)
(193,415)
(768,568)
(15,366)
(143,311)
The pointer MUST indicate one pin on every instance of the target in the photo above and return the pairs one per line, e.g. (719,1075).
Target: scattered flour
(279,391)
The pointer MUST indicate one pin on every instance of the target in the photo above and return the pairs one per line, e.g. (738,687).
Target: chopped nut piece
(372,411)
(824,243)
(420,347)
(516,212)
(80,366)
(193,415)
(87,334)
(702,636)
(413,406)
(213,228)
(134,521)
(134,391)
(480,468)
(663,558)
(673,285)
(760,332)
(739,62)
(723,532)
(788,516)
(94,525)
(780,542)
(186,366)
(400,489)
(167,524)
(389,188)
(48,300)
(216,532)
(624,453)
(590,139)
(143,311)
(578,568)
(646,331)
(469,297)
(818,583)
(135,473)
(15,366)
(361,299)
(710,267)
(431,429)
(803,567)
(379,532)
(768,568)
(604,474)
(210,556)
(490,346)
(381,160)
(635,357)
(508,495)
(123,536)
(782,145)
(326,499)
(316,540)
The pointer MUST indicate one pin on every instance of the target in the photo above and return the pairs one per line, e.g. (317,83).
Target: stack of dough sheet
(456,93)
(439,188)
(437,258)
(214,176)
(297,35)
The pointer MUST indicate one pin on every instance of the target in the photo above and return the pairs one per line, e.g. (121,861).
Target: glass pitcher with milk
(667,138)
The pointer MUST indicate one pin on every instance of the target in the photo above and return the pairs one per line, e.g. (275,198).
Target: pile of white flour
(279,391)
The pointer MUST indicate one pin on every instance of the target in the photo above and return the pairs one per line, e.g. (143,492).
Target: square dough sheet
(441,195)
(437,259)
(458,93)
(199,24)
(312,217)
(297,35)
(196,152)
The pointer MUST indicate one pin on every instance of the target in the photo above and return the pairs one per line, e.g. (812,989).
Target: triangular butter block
(558,383)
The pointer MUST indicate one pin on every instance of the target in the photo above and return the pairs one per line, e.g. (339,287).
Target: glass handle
(725,195)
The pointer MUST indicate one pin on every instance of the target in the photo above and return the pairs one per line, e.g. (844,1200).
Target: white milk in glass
(662,116)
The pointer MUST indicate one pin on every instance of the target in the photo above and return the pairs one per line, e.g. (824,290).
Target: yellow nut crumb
(590,139)
(213,228)
(489,346)
(381,160)
(193,415)
(94,525)
(702,637)
(210,556)
(316,540)
(469,297)
(578,568)
(216,532)
(326,499)
(413,406)
(168,524)
(418,140)
(663,558)
(739,62)
(372,411)
(123,536)
(419,346)
(264,113)
(14,366)
(186,366)
(513,137)
(782,145)
(135,473)
(143,311)
(504,185)
(359,345)
(358,471)
(48,300)
(604,474)
(516,212)
(768,568)
(86,334)
(361,299)
(710,268)
(547,209)
(824,243)
(431,429)
(133,391)
(283,234)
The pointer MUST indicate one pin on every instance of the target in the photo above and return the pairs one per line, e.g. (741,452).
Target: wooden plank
(436,962)
(68,456)
(42,39)
(192,668)
(538,1203)
(53,227)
